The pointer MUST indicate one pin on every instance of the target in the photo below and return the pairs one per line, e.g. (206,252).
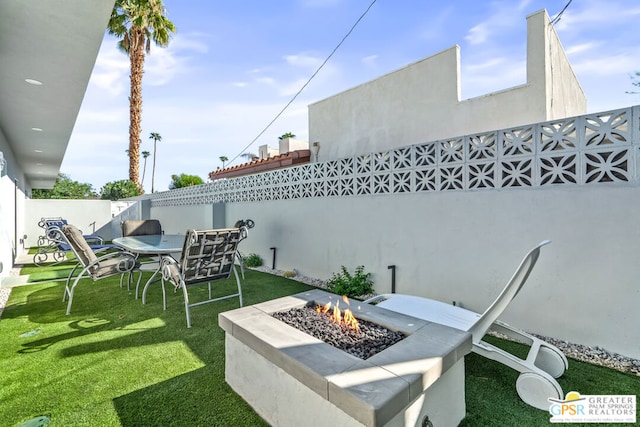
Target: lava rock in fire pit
(365,342)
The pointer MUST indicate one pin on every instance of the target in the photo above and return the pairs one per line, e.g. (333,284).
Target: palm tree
(286,135)
(137,23)
(223,159)
(145,154)
(156,137)
(249,156)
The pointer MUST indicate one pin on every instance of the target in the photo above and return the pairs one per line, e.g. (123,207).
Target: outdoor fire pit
(291,378)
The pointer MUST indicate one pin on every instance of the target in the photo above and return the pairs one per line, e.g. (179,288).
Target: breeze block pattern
(592,149)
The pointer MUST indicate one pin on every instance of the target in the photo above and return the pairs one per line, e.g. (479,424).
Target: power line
(307,82)
(559,15)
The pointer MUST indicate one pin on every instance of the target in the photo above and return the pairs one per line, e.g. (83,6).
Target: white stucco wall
(81,213)
(12,206)
(177,219)
(421,102)
(464,246)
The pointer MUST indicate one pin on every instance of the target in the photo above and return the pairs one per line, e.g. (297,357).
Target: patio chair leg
(70,292)
(235,272)
(241,262)
(66,285)
(164,296)
(186,304)
(138,283)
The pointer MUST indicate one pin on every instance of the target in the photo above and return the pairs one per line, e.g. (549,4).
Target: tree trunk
(144,171)
(136,55)
(153,170)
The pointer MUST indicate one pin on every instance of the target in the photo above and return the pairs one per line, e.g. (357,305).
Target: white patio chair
(207,256)
(544,361)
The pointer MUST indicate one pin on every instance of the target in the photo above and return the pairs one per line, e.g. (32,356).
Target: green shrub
(344,283)
(252,260)
(117,190)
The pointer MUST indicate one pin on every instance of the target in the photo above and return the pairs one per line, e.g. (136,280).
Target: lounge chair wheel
(535,390)
(550,361)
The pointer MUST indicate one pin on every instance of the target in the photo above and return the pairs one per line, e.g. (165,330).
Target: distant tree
(156,137)
(65,188)
(137,23)
(223,159)
(635,81)
(249,156)
(116,190)
(286,135)
(184,180)
(145,154)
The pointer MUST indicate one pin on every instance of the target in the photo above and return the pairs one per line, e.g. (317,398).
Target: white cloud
(478,34)
(292,88)
(607,65)
(111,71)
(303,60)
(581,48)
(370,60)
(501,19)
(492,76)
(190,42)
(597,13)
(488,64)
(266,80)
(162,65)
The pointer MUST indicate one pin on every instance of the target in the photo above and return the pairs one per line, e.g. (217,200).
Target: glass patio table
(155,245)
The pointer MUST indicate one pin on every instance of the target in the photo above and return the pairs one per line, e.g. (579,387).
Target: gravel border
(4,297)
(5,292)
(594,355)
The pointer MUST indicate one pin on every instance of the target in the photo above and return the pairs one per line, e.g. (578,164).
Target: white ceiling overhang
(54,42)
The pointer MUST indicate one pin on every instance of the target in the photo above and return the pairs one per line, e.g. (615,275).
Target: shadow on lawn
(92,326)
(108,320)
(200,397)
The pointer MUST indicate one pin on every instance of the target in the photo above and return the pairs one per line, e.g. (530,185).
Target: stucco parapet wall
(592,149)
(423,102)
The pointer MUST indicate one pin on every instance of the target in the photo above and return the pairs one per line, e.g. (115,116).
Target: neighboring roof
(283,160)
(55,42)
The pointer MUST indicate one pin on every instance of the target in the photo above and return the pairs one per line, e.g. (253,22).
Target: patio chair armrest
(94,239)
(170,269)
(128,263)
(104,249)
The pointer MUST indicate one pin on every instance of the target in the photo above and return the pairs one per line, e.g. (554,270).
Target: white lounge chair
(544,361)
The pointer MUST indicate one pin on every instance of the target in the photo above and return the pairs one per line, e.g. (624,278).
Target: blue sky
(233,65)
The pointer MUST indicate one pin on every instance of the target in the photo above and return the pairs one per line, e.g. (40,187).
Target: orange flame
(337,316)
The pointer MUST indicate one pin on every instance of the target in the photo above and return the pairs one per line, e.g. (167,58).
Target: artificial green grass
(492,400)
(115,362)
